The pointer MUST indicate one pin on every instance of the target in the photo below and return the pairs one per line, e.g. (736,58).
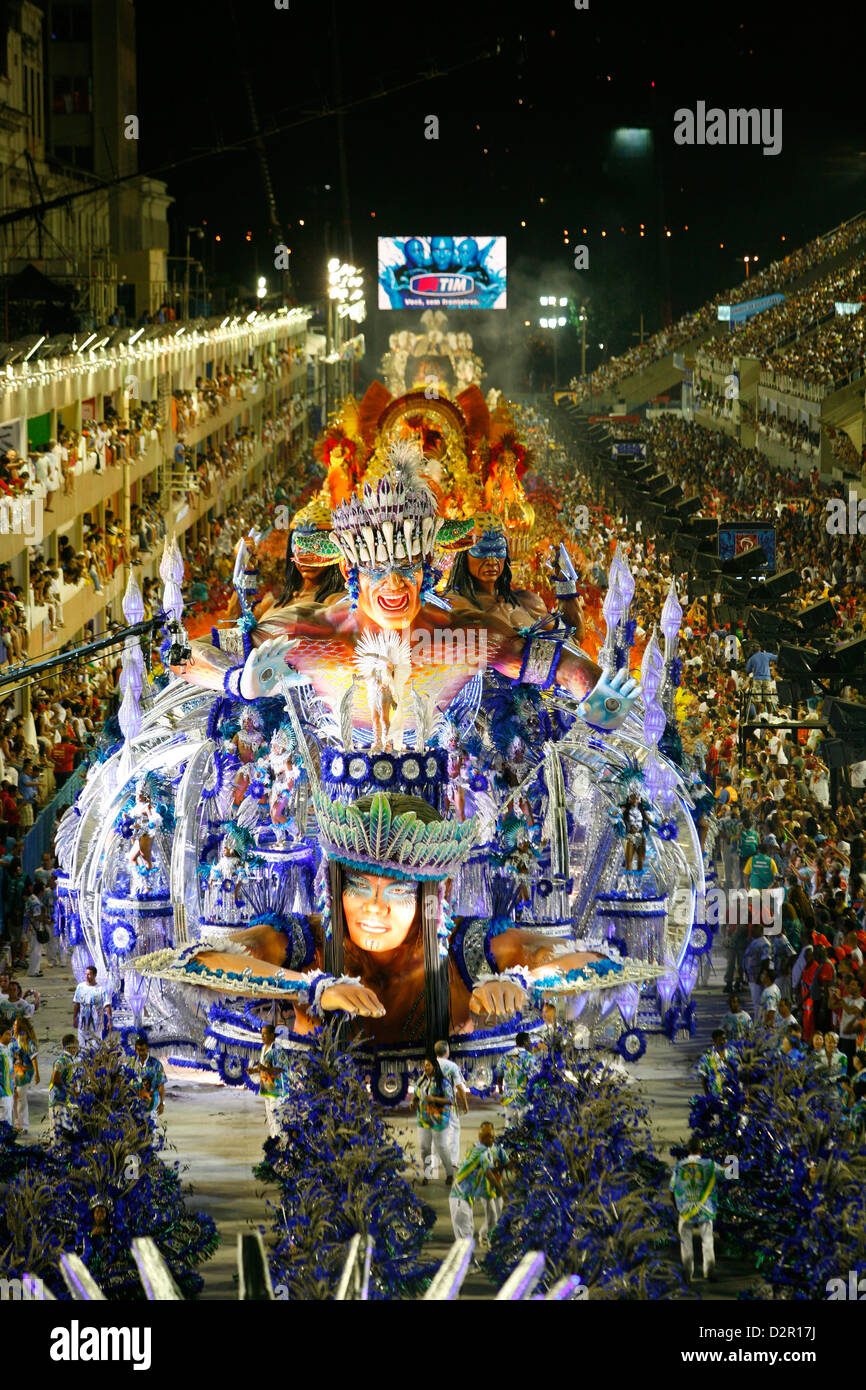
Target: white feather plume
(406,458)
(346,717)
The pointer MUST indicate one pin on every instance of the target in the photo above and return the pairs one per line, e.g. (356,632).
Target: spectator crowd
(777,277)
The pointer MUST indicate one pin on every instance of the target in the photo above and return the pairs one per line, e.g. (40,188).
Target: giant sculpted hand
(502,997)
(267,668)
(352,999)
(609,701)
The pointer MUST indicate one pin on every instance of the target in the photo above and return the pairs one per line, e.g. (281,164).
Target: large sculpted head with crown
(387,538)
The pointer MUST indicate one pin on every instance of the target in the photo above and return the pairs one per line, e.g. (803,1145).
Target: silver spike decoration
(557,824)
(239,575)
(132,677)
(621,574)
(156,1278)
(346,705)
(171,574)
(521,1282)
(672,616)
(81,1284)
(354,1285)
(254,1278)
(448,1279)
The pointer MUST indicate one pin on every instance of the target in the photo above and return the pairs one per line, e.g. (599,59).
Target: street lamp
(553,322)
(345,301)
(582,317)
(747,259)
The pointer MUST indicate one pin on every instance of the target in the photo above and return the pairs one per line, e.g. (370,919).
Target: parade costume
(694,1187)
(274,1067)
(473,1187)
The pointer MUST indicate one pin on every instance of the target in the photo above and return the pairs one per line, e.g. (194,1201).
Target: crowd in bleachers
(845,451)
(833,355)
(777,276)
(212,394)
(796,435)
(102,446)
(777,824)
(797,315)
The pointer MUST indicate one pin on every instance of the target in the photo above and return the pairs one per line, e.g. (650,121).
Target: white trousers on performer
(453,1132)
(6,1109)
(430,1140)
(688,1231)
(21,1107)
(491,1210)
(86,1038)
(463,1217)
(35,962)
(273,1112)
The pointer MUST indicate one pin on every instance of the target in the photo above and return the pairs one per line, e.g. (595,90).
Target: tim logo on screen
(743,544)
(442,284)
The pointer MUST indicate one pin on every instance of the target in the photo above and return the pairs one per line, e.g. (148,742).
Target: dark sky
(540,88)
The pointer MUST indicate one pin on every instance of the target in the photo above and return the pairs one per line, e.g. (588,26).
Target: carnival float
(406,794)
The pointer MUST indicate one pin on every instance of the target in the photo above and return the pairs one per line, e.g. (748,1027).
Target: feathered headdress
(393,522)
(236,838)
(402,846)
(148,784)
(628,779)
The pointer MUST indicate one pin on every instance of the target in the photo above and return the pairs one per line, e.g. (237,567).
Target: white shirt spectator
(858,774)
(851,1015)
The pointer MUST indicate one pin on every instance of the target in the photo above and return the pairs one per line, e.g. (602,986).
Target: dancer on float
(387,543)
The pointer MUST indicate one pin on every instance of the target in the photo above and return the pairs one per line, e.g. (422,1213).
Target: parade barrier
(39,839)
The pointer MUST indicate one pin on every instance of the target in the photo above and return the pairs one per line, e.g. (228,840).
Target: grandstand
(787,382)
(145,409)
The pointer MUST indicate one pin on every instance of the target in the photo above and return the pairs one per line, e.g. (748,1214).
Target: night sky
(527,108)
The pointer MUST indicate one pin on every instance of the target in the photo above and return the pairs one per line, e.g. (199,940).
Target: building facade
(161,375)
(68,126)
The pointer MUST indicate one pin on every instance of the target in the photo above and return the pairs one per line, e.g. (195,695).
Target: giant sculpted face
(391,597)
(379,911)
(486,568)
